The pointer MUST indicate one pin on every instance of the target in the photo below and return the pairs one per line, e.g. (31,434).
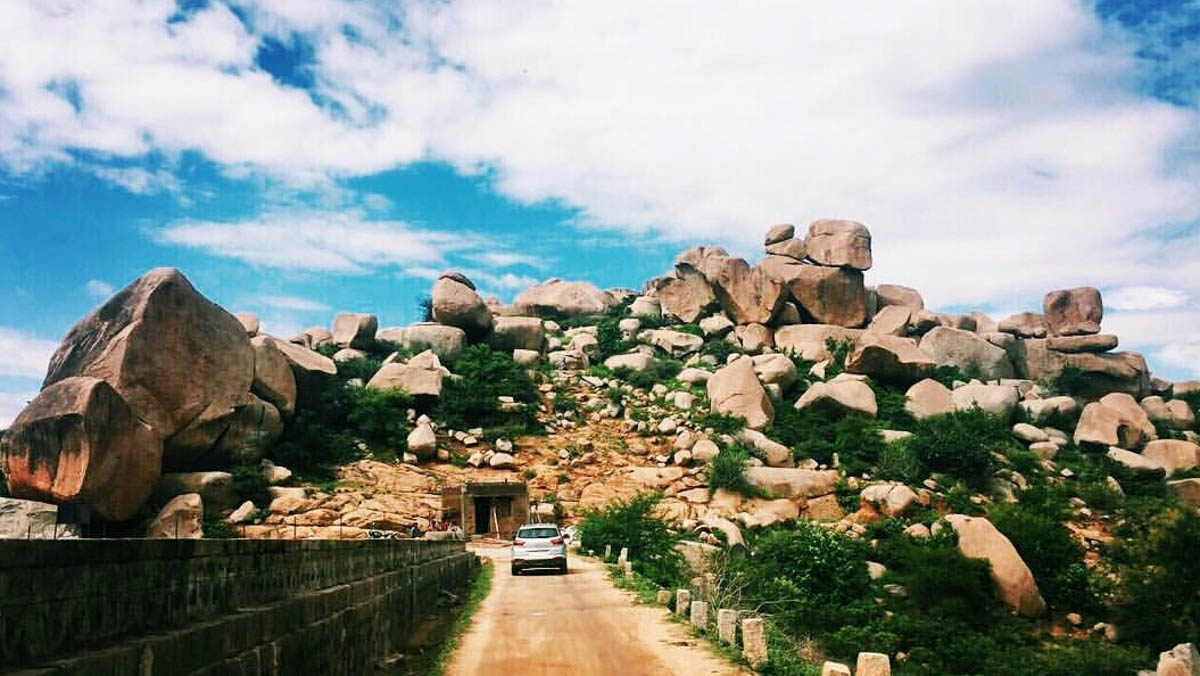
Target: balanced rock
(559,297)
(749,295)
(735,390)
(887,295)
(1089,343)
(979,539)
(889,358)
(445,341)
(422,441)
(830,295)
(355,330)
(966,350)
(839,243)
(456,304)
(1025,325)
(779,233)
(273,377)
(176,358)
(1073,312)
(789,248)
(79,441)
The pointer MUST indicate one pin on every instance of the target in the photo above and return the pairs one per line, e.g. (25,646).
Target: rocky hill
(746,396)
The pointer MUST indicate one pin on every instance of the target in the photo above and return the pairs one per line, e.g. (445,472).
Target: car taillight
(556,541)
(519,543)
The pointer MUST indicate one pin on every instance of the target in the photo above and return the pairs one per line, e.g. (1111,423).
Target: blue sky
(299,159)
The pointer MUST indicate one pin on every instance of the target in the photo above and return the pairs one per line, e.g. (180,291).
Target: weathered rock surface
(808,341)
(1102,373)
(928,398)
(79,441)
(176,358)
(999,400)
(839,243)
(686,295)
(560,297)
(32,520)
(1172,454)
(749,295)
(674,343)
(890,321)
(420,376)
(273,377)
(634,361)
(889,358)
(1115,420)
(250,322)
(1040,410)
(240,434)
(182,518)
(517,333)
(830,295)
(789,482)
(893,499)
(1073,312)
(445,341)
(457,304)
(214,488)
(735,390)
(894,294)
(1025,325)
(966,350)
(310,368)
(422,441)
(355,330)
(979,539)
(779,233)
(1075,344)
(850,396)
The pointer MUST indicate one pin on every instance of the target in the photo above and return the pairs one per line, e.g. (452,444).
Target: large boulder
(634,361)
(273,377)
(967,351)
(445,341)
(892,320)
(998,400)
(1114,420)
(1040,410)
(310,368)
(674,343)
(422,441)
(32,520)
(250,322)
(830,295)
(928,398)
(1187,490)
(313,337)
(240,434)
(1101,373)
(887,295)
(517,333)
(356,330)
(839,243)
(1172,455)
(811,341)
(1024,325)
(749,295)
(420,376)
(181,519)
(1182,660)
(790,482)
(779,233)
(848,395)
(557,297)
(175,357)
(979,539)
(1073,312)
(685,295)
(775,369)
(1088,343)
(889,499)
(735,390)
(773,453)
(889,358)
(79,441)
(455,303)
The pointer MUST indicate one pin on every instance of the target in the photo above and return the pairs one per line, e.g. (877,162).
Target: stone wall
(158,607)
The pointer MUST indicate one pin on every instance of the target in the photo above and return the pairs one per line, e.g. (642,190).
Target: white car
(539,545)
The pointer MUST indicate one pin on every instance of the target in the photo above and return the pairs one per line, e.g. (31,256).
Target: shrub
(719,348)
(1159,602)
(249,482)
(1072,381)
(892,415)
(728,471)
(818,432)
(720,423)
(946,374)
(425,308)
(471,400)
(609,340)
(662,371)
(693,329)
(897,462)
(810,578)
(364,369)
(961,444)
(632,523)
(838,351)
(379,418)
(1050,551)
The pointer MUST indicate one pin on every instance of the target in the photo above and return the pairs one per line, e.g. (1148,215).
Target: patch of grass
(728,471)
(947,374)
(818,432)
(838,350)
(961,444)
(720,423)
(661,371)
(481,586)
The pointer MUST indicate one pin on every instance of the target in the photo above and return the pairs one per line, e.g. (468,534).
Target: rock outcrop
(558,297)
(735,390)
(455,303)
(839,243)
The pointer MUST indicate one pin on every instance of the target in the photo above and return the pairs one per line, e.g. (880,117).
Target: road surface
(579,624)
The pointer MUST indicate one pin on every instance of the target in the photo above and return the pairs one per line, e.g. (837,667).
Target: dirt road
(579,624)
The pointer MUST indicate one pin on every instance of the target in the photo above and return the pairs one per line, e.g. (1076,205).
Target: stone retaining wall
(152,607)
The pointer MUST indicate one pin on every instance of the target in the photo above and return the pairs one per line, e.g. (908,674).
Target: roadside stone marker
(627,568)
(664,597)
(873,664)
(683,600)
(835,669)
(700,614)
(754,641)
(727,625)
(607,552)
(623,556)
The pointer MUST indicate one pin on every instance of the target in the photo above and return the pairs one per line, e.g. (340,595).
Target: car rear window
(535,533)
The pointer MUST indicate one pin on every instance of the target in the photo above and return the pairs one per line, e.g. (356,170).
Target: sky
(297,159)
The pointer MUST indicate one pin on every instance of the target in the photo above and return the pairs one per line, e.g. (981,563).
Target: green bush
(719,348)
(720,423)
(892,415)
(660,372)
(897,462)
(693,329)
(1051,552)
(809,578)
(609,340)
(838,350)
(1159,602)
(728,471)
(379,418)
(947,374)
(818,432)
(472,399)
(364,369)
(961,444)
(249,482)
(632,523)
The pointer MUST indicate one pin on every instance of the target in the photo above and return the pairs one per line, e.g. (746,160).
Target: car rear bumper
(537,561)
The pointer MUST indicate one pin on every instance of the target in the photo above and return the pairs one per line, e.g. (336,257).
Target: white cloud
(506,259)
(292,303)
(1185,356)
(24,356)
(11,404)
(1144,298)
(98,288)
(317,241)
(140,181)
(989,145)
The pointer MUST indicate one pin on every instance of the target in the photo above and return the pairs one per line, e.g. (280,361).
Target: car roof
(538,525)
